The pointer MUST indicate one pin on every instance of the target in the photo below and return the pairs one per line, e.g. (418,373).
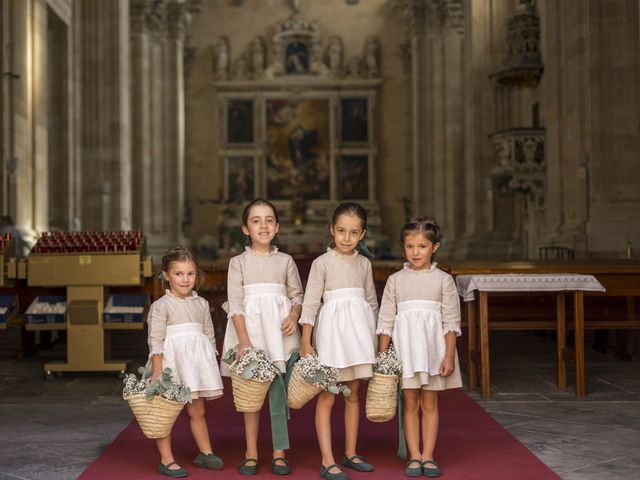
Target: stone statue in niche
(354,67)
(221,58)
(503,154)
(242,69)
(334,56)
(297,58)
(371,51)
(258,57)
(317,67)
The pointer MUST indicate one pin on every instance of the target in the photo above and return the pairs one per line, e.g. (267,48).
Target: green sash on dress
(279,407)
(402,443)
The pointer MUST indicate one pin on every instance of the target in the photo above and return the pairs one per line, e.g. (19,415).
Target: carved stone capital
(178,18)
(139,12)
(431,15)
(156,20)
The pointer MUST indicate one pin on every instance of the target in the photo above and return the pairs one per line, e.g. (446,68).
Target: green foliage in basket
(164,386)
(388,362)
(254,364)
(322,376)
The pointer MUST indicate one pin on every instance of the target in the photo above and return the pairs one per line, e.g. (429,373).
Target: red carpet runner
(471,446)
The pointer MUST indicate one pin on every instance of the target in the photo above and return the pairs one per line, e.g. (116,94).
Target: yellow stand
(85,277)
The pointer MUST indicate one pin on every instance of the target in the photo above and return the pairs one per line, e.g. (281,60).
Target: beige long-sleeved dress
(418,308)
(340,302)
(263,287)
(182,332)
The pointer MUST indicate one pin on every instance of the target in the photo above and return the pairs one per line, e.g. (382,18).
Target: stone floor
(52,429)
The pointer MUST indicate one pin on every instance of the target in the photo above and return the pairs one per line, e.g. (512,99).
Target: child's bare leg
(430,421)
(251,426)
(278,454)
(198,424)
(323,428)
(166,454)
(352,419)
(411,419)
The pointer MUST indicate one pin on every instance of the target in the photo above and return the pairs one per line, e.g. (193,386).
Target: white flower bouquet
(309,378)
(382,399)
(250,377)
(156,405)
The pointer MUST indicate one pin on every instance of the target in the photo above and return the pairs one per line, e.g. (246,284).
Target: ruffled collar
(335,253)
(194,294)
(407,266)
(272,251)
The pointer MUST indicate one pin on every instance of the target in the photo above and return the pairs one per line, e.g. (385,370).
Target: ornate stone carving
(334,56)
(371,53)
(178,18)
(221,58)
(140,12)
(258,54)
(520,163)
(523,65)
(297,49)
(157,18)
(423,15)
(242,68)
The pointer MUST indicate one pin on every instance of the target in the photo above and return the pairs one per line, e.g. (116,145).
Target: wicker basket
(155,417)
(382,398)
(300,391)
(248,395)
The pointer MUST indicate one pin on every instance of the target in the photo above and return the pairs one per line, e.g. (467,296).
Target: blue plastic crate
(46,317)
(10,302)
(125,300)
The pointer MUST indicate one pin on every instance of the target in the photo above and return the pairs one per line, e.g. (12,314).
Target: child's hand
(306,349)
(288,326)
(242,348)
(447,367)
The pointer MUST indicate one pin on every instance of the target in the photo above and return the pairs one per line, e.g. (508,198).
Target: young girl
(181,337)
(344,329)
(265,301)
(420,311)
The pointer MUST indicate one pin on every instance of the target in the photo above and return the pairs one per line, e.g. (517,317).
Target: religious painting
(297,58)
(297,149)
(354,120)
(354,177)
(240,178)
(240,121)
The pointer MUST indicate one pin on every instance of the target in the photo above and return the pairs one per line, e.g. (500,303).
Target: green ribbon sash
(402,443)
(279,407)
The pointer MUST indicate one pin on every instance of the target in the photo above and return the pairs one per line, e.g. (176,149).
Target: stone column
(436,31)
(158,45)
(141,12)
(18,94)
(178,19)
(105,118)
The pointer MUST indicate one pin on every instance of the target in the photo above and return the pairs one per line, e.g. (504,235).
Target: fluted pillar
(157,43)
(436,33)
(105,116)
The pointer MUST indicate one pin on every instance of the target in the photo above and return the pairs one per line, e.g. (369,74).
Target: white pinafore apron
(418,337)
(266,305)
(192,359)
(345,333)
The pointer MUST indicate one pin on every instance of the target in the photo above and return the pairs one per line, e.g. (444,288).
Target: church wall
(590,108)
(240,25)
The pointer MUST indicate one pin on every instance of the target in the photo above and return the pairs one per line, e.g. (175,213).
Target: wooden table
(525,283)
